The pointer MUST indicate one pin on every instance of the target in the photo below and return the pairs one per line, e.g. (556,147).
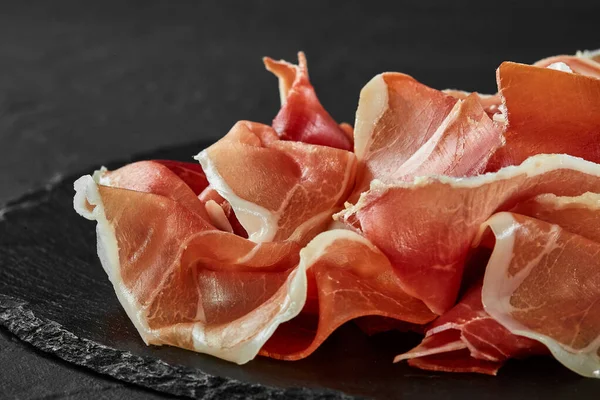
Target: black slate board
(55,295)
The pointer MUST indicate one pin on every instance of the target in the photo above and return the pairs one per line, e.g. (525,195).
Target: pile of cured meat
(473,219)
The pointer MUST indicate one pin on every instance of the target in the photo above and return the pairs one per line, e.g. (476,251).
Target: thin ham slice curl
(178,278)
(302,118)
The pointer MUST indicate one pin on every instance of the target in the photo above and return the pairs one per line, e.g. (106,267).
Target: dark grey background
(82,83)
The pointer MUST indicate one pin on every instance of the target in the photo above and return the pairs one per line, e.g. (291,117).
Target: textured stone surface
(51,337)
(54,378)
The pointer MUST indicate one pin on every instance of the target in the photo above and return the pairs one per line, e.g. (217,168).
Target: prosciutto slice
(348,278)
(274,186)
(550,292)
(302,118)
(468,326)
(179,279)
(472,336)
(440,217)
(548,111)
(406,129)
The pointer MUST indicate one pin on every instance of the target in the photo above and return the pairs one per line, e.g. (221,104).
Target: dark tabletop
(83,84)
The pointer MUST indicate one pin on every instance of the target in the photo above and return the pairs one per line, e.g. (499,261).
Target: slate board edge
(50,337)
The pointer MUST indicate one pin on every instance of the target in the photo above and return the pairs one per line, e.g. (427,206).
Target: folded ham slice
(406,129)
(348,278)
(469,326)
(273,185)
(180,280)
(548,111)
(302,118)
(543,282)
(472,336)
(435,219)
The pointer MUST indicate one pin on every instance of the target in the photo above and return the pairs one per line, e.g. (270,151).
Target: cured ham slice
(435,219)
(350,278)
(468,327)
(273,185)
(178,278)
(550,292)
(302,118)
(548,111)
(404,129)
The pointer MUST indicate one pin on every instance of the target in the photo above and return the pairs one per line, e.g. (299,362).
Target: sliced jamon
(548,111)
(404,129)
(302,118)
(273,185)
(468,327)
(579,65)
(543,282)
(181,281)
(435,219)
(468,324)
(348,278)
